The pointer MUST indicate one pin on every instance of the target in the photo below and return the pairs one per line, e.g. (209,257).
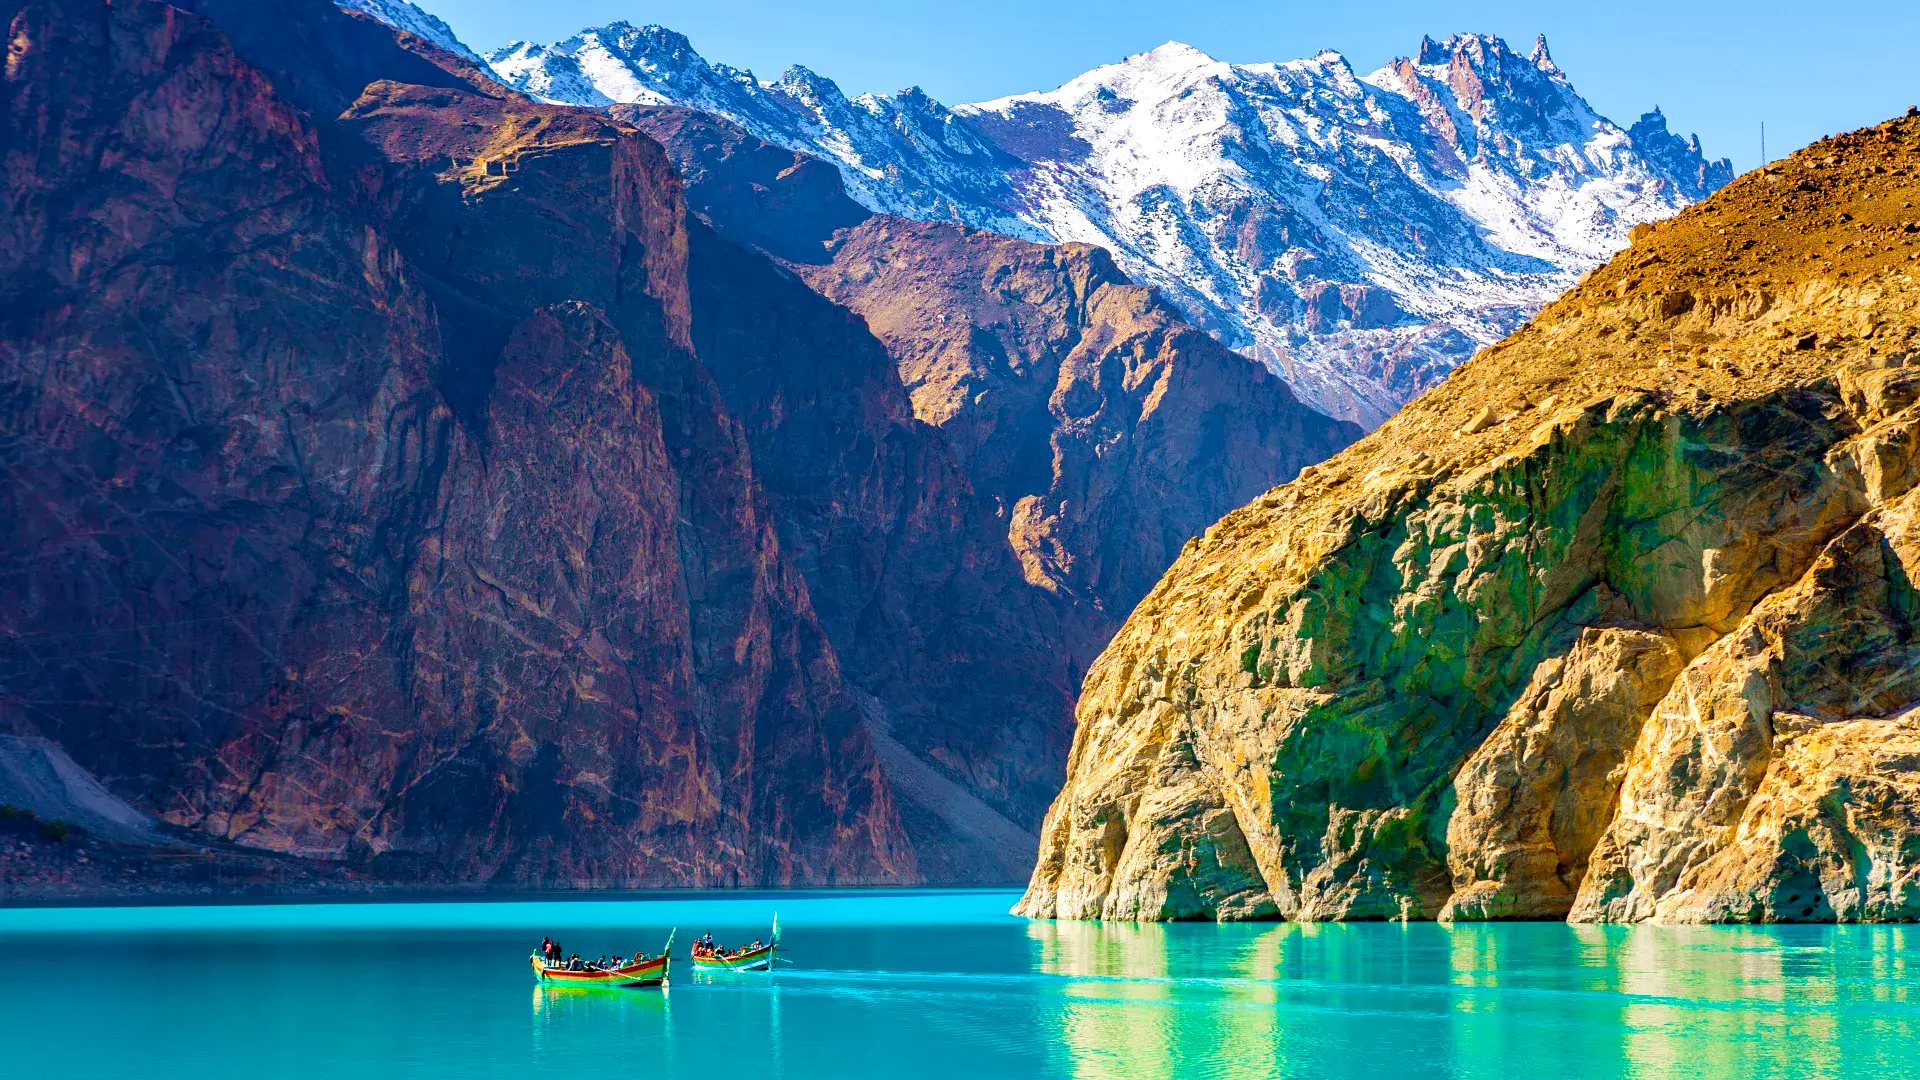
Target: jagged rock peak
(1487,55)
(1680,158)
(1542,58)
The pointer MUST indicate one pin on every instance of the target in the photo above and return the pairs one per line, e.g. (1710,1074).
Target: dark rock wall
(367,498)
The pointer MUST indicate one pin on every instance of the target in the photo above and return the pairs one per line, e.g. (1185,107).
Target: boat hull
(757,960)
(646,973)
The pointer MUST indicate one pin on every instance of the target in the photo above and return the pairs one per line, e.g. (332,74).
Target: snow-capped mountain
(903,154)
(1359,234)
(405,16)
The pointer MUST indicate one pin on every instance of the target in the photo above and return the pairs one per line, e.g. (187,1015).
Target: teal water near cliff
(937,984)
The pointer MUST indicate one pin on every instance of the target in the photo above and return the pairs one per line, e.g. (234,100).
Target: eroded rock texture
(1618,623)
(367,498)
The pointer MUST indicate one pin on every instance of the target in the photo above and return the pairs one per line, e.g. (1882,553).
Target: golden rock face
(1618,623)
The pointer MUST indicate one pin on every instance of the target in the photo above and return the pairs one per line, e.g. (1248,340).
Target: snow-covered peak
(1361,235)
(1157,72)
(900,153)
(1172,57)
(405,16)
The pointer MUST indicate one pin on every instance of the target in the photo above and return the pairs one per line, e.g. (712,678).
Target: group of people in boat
(552,955)
(703,946)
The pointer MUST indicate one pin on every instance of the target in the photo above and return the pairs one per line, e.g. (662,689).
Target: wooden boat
(760,959)
(638,973)
(645,973)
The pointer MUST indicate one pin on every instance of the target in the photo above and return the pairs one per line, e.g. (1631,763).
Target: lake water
(937,983)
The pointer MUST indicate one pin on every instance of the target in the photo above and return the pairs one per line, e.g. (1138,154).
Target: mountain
(402,478)
(411,481)
(1617,623)
(1101,428)
(1360,235)
(903,154)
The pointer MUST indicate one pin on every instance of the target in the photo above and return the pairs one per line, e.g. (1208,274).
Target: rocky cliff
(399,476)
(1616,624)
(1104,428)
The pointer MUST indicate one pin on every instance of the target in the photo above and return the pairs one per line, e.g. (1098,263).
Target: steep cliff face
(368,498)
(960,660)
(1105,430)
(1618,623)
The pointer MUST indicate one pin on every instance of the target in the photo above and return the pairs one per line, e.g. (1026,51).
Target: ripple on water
(939,983)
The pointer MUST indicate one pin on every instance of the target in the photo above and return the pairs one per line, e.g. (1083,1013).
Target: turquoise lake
(937,984)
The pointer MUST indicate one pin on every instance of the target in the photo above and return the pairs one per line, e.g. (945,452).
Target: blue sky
(1807,69)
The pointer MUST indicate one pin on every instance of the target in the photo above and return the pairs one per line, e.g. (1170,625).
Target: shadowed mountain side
(782,202)
(1102,430)
(910,576)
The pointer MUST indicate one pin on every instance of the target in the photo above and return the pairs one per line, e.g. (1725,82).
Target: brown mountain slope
(1105,429)
(1618,623)
(956,657)
(1100,428)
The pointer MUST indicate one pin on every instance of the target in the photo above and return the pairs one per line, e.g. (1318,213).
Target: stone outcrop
(1533,800)
(1618,623)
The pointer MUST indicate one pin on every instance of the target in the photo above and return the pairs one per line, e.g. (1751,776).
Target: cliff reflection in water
(1129,1007)
(940,984)
(1150,1001)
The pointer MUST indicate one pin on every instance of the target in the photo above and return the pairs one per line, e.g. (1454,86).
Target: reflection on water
(944,985)
(1127,1011)
(566,1016)
(1150,1001)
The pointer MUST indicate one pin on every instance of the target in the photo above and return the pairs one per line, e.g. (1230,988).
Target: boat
(651,972)
(760,959)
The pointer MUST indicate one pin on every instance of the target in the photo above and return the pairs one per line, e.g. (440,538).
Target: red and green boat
(760,959)
(637,973)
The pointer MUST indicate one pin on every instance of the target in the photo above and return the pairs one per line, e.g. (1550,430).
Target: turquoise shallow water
(937,984)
